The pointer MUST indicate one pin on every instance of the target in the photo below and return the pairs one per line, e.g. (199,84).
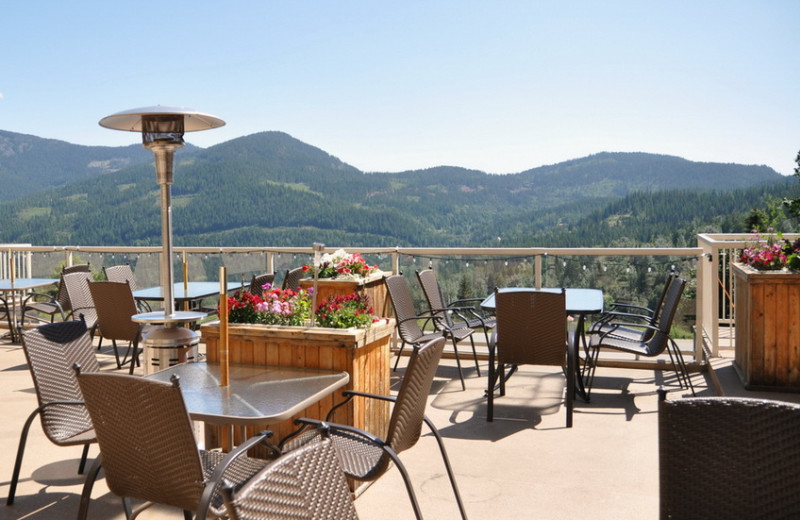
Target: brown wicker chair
(259,281)
(531,330)
(114,305)
(466,311)
(292,278)
(51,351)
(653,340)
(124,273)
(37,304)
(408,327)
(305,483)
(365,456)
(148,450)
(80,299)
(724,458)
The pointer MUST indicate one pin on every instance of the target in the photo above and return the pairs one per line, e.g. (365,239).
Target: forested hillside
(29,164)
(270,189)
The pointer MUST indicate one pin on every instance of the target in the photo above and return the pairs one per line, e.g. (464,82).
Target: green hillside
(271,189)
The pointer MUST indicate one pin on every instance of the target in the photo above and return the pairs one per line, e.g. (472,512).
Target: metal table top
(256,394)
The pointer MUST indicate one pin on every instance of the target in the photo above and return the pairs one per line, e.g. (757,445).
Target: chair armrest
(617,325)
(355,393)
(342,427)
(624,305)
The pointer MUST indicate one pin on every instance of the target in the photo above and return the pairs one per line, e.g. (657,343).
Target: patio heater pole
(162,130)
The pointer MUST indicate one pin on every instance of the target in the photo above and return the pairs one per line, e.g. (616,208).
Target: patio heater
(162,131)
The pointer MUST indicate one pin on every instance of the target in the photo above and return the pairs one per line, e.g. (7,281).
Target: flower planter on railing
(362,353)
(767,328)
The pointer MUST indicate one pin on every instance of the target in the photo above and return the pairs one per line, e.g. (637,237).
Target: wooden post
(223,327)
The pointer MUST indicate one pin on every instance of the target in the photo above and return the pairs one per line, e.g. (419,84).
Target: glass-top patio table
(7,285)
(191,293)
(256,395)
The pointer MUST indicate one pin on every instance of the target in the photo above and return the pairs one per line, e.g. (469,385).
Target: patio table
(256,395)
(580,302)
(20,285)
(192,293)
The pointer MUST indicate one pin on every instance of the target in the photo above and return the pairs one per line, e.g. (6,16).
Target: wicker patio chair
(114,305)
(124,273)
(292,278)
(531,330)
(80,299)
(653,341)
(51,351)
(408,327)
(37,304)
(364,455)
(148,450)
(727,458)
(308,483)
(466,311)
(259,281)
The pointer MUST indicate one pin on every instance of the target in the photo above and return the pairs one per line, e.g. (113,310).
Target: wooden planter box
(372,285)
(767,328)
(362,353)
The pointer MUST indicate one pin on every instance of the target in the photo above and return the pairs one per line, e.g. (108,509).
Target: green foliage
(270,189)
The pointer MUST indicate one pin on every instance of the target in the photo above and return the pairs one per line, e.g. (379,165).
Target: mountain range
(271,189)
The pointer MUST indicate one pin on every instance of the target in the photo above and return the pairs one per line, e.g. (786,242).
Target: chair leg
(458,363)
(134,356)
(86,494)
(84,455)
(592,366)
(684,371)
(23,438)
(116,353)
(447,466)
(397,361)
(475,356)
(406,480)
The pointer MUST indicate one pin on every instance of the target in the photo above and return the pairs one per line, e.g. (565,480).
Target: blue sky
(499,86)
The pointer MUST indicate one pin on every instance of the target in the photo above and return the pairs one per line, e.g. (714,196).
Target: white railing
(520,266)
(719,307)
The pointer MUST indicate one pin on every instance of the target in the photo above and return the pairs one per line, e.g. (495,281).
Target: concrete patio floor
(525,464)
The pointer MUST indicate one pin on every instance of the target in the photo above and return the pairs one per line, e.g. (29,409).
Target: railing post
(537,271)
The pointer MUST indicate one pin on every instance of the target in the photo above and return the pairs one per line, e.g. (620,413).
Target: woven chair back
(259,281)
(405,424)
(729,458)
(51,350)
(307,482)
(146,438)
(403,305)
(114,304)
(61,296)
(433,293)
(120,273)
(80,299)
(292,278)
(531,327)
